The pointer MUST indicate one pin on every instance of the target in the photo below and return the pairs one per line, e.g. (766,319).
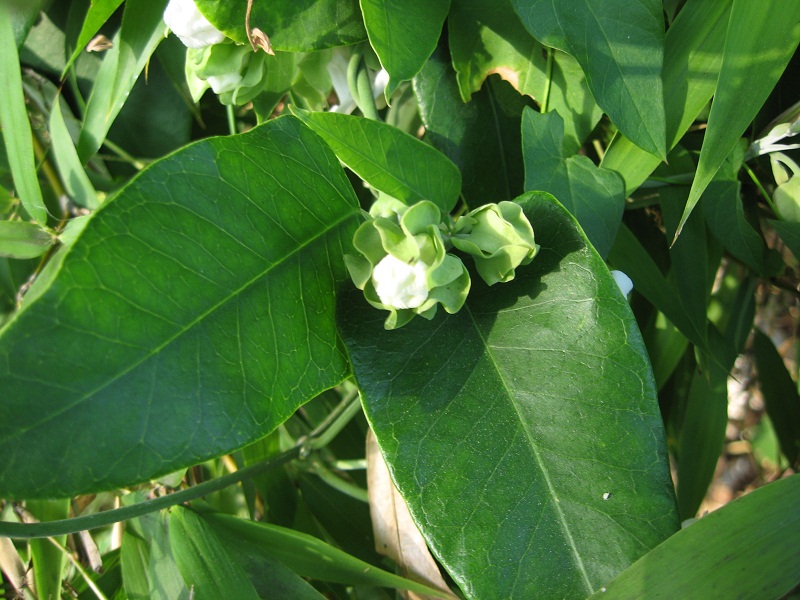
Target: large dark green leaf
(596,196)
(192,316)
(620,46)
(291,25)
(482,137)
(525,425)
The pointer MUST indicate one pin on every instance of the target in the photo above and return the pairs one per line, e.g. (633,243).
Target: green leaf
(390,160)
(692,59)
(14,123)
(486,37)
(21,239)
(99,12)
(135,557)
(141,32)
(790,234)
(525,425)
(595,196)
(306,555)
(620,46)
(74,177)
(173,330)
(206,566)
(482,137)
(746,549)
(48,560)
(291,25)
(23,16)
(403,34)
(761,40)
(780,395)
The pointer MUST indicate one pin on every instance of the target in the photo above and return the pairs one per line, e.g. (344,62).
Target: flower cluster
(404,265)
(234,72)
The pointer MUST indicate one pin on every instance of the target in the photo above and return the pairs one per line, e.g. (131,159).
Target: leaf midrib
(227,298)
(561,518)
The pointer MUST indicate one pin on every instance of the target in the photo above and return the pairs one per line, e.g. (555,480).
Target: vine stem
(326,431)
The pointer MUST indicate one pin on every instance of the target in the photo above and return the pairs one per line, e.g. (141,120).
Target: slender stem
(231,119)
(548,78)
(134,162)
(763,191)
(335,422)
(93,521)
(361,87)
(338,483)
(92,585)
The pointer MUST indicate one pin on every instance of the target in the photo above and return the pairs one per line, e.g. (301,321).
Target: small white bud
(224,83)
(189,24)
(399,284)
(623,281)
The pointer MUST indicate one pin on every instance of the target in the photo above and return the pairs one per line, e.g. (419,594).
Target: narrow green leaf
(172,329)
(746,549)
(620,46)
(482,137)
(206,566)
(291,25)
(628,255)
(486,37)
(595,196)
(390,160)
(15,125)
(141,32)
(780,395)
(472,412)
(760,41)
(72,173)
(99,12)
(692,59)
(23,16)
(790,234)
(404,34)
(702,437)
(21,239)
(48,559)
(306,555)
(134,557)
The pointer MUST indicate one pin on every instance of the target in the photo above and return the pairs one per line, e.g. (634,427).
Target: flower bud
(189,24)
(234,72)
(403,266)
(623,281)
(499,237)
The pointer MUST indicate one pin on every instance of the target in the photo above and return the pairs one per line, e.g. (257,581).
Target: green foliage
(180,335)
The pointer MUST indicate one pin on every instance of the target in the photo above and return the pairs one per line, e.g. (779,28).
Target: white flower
(189,24)
(399,284)
(224,83)
(623,281)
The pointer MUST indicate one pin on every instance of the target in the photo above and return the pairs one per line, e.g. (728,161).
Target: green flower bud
(499,237)
(403,266)
(235,73)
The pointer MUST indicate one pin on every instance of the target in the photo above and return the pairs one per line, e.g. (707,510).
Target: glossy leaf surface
(620,46)
(473,412)
(747,549)
(193,315)
(595,196)
(291,25)
(21,239)
(390,160)
(761,40)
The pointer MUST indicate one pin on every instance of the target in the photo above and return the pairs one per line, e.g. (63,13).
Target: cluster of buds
(234,72)
(404,265)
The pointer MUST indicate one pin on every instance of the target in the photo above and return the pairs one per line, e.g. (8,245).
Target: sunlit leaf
(192,316)
(525,425)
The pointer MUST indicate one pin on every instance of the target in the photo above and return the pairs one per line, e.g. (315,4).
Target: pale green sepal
(499,237)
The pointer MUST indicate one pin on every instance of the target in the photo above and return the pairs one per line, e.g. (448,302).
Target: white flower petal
(399,284)
(189,24)
(623,281)
(224,83)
